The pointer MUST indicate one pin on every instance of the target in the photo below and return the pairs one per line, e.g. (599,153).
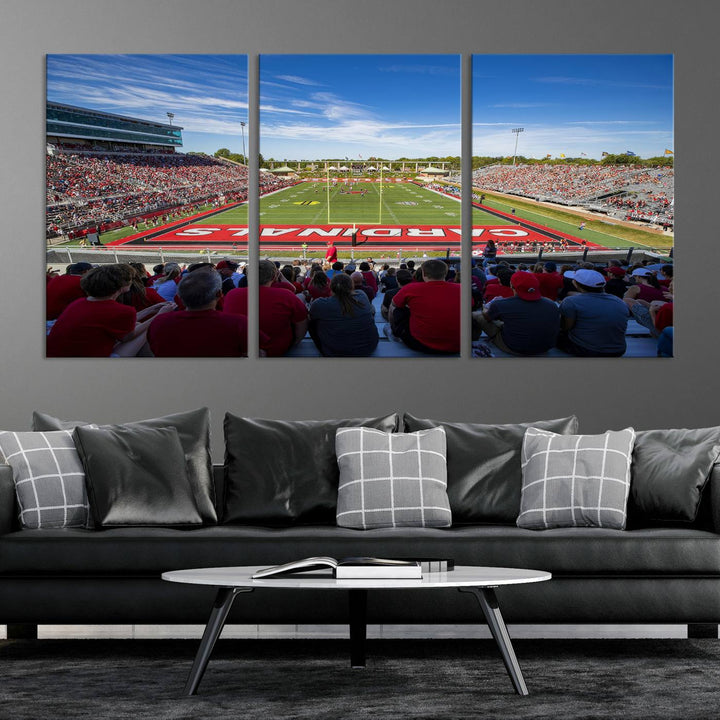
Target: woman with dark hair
(343,325)
(318,287)
(139,296)
(288,272)
(490,250)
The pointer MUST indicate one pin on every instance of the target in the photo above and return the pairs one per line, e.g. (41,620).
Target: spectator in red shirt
(551,281)
(318,287)
(288,272)
(200,330)
(426,315)
(369,275)
(139,295)
(98,325)
(331,252)
(502,288)
(283,315)
(63,289)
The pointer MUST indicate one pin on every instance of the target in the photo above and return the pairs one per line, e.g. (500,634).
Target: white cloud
(297,80)
(572,140)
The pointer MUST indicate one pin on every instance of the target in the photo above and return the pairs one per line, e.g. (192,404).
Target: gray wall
(603,393)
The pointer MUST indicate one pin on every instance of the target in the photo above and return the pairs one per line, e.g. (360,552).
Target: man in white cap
(593,322)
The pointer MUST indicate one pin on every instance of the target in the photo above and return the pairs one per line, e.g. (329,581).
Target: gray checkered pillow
(49,478)
(392,479)
(575,480)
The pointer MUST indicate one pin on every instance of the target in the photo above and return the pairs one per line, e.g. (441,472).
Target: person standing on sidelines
(331,252)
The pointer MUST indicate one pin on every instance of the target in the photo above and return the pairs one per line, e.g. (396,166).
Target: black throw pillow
(670,469)
(483,466)
(136,476)
(193,429)
(285,472)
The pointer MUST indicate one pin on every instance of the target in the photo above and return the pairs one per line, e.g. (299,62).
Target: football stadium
(132,190)
(119,190)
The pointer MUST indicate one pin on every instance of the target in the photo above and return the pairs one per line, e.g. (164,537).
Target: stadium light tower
(170,116)
(517,132)
(242,130)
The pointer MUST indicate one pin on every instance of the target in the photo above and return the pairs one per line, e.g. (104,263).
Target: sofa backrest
(9,510)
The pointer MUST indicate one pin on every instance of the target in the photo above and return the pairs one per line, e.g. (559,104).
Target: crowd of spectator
(631,192)
(126,310)
(96,189)
(582,309)
(201,310)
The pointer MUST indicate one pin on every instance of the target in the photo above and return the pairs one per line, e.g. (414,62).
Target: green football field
(406,204)
(364,203)
(309,203)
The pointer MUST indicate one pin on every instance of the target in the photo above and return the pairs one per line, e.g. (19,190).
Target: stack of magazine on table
(357,568)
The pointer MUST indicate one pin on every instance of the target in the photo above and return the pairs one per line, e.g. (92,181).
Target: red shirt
(664,316)
(434,313)
(370,279)
(198,333)
(152,297)
(280,309)
(61,291)
(90,328)
(331,254)
(497,290)
(315,291)
(550,284)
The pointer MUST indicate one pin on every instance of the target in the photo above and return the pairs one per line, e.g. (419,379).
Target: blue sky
(572,104)
(358,106)
(337,106)
(207,93)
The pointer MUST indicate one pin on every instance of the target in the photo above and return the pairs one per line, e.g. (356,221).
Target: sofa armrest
(715,496)
(7,500)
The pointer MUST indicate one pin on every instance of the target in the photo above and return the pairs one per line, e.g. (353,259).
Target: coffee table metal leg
(357,601)
(221,608)
(488,602)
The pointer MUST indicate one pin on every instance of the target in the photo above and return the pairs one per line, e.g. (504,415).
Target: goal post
(328,200)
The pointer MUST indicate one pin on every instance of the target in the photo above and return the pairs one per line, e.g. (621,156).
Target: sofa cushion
(281,472)
(483,462)
(677,552)
(42,422)
(669,472)
(193,429)
(136,476)
(575,480)
(392,479)
(49,478)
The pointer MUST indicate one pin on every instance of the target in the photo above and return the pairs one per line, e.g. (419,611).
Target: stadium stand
(104,171)
(639,337)
(628,192)
(97,189)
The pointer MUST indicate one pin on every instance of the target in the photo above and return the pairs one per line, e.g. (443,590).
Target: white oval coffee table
(479,581)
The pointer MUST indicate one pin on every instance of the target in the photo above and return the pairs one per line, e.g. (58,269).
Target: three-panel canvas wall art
(359,184)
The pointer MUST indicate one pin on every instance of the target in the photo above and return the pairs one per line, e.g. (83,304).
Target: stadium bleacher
(628,192)
(638,339)
(95,188)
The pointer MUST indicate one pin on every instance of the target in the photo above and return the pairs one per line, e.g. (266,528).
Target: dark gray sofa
(640,575)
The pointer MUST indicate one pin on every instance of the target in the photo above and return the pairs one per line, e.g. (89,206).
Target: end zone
(429,237)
